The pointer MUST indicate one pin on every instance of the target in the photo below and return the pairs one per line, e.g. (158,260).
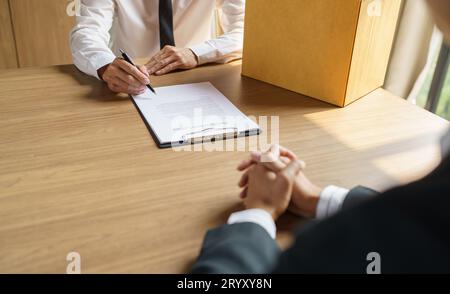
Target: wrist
(311,204)
(101,71)
(305,203)
(194,56)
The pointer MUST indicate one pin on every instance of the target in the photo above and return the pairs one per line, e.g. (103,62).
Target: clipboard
(153,117)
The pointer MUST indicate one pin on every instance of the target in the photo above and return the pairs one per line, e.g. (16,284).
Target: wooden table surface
(80,172)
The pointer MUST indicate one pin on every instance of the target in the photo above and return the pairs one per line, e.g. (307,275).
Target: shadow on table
(244,92)
(99,91)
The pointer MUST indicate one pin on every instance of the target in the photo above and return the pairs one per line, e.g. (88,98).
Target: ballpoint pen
(128,59)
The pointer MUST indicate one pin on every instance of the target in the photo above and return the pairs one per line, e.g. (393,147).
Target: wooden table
(80,172)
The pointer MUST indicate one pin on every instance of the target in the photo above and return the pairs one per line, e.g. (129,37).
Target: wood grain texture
(373,44)
(42,32)
(8,57)
(80,172)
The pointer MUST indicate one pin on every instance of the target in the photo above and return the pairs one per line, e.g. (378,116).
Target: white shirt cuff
(330,201)
(256,216)
(100,60)
(204,52)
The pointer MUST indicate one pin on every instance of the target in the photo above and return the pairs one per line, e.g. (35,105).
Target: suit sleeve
(409,232)
(247,248)
(244,248)
(334,199)
(357,196)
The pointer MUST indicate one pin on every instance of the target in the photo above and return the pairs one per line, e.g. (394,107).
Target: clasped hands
(122,77)
(275,182)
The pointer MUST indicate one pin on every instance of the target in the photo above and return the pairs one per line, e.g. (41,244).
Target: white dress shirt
(330,202)
(105,26)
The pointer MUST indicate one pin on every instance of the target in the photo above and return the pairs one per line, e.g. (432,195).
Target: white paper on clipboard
(187,113)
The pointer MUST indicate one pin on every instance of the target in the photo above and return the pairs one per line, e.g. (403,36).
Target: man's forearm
(90,37)
(228,46)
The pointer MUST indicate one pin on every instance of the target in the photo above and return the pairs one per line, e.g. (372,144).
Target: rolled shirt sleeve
(229,45)
(90,37)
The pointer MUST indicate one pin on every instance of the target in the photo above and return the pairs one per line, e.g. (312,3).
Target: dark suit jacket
(408,226)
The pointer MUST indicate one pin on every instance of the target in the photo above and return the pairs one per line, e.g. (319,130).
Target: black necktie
(166,23)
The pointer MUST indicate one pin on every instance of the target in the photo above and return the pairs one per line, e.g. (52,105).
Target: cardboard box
(332,50)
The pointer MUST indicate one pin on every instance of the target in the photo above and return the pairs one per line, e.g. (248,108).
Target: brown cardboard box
(333,50)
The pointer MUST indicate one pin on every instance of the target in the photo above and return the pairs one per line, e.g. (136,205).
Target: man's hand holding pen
(123,77)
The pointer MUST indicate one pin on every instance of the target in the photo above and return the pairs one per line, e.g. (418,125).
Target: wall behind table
(39,35)
(8,57)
